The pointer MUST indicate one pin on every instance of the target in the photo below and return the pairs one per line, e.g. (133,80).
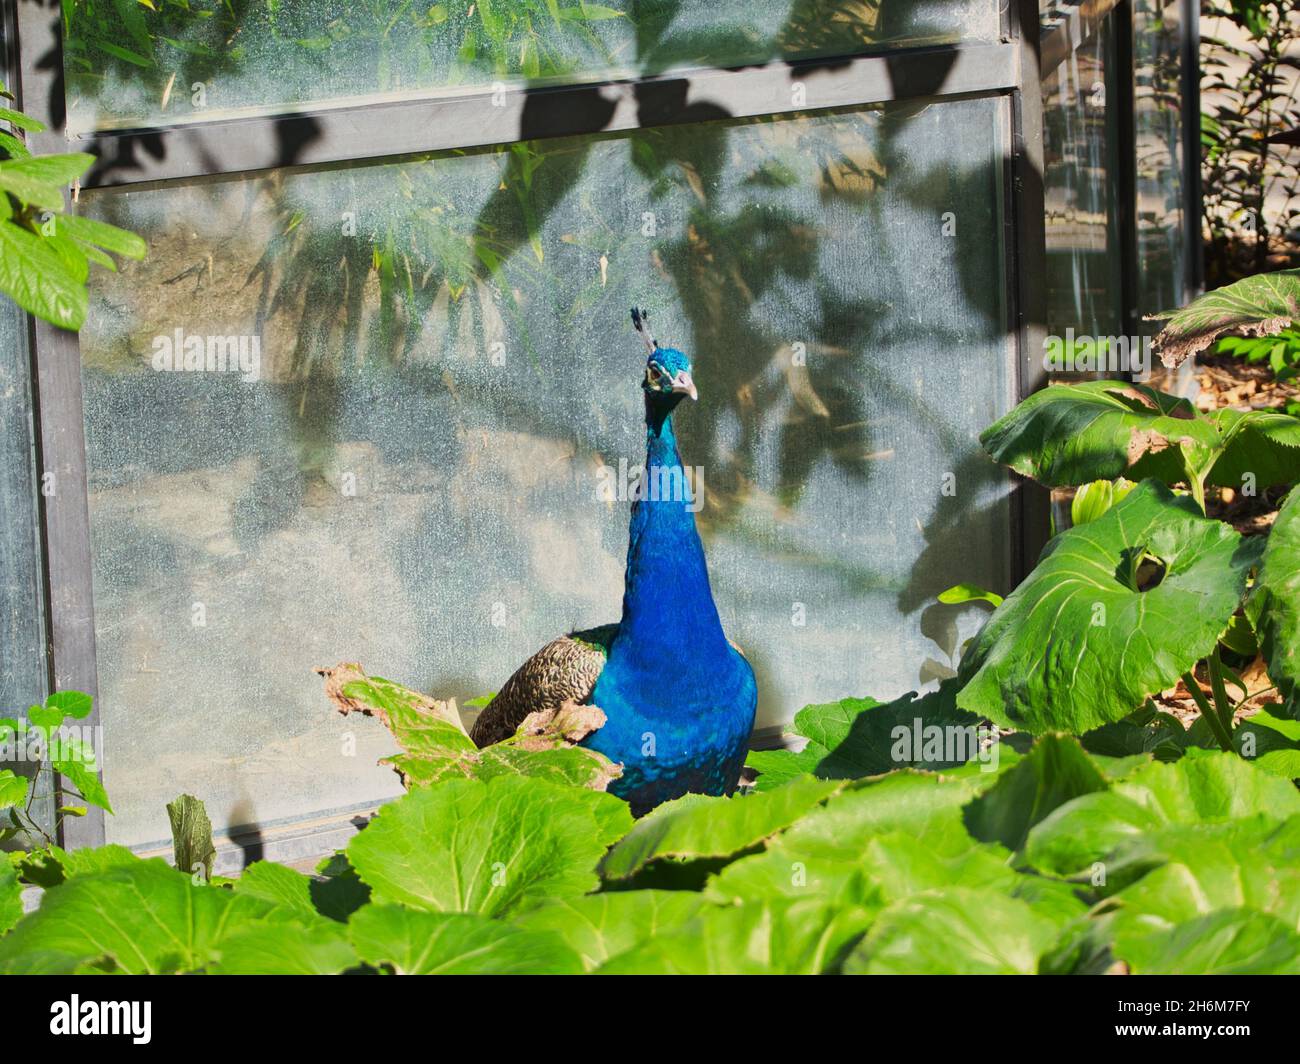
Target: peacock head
(667,370)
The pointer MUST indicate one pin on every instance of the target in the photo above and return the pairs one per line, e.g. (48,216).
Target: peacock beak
(683,385)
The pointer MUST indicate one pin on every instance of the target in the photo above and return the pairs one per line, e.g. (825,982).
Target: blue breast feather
(678,698)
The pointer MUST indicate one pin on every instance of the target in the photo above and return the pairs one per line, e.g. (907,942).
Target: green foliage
(56,753)
(1281,351)
(485,847)
(954,930)
(696,826)
(1071,434)
(409,942)
(1254,306)
(1093,500)
(1054,860)
(857,737)
(1274,606)
(45,255)
(961,593)
(1251,187)
(1114,611)
(435,745)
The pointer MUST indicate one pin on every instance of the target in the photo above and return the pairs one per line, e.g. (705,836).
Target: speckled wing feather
(565,670)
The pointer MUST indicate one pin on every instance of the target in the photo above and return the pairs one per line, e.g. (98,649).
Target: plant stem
(1222,702)
(1207,711)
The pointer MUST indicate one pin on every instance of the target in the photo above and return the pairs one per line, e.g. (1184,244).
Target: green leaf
(101,234)
(46,718)
(779,937)
(859,737)
(134,58)
(1270,743)
(1198,869)
(52,865)
(72,704)
(40,180)
(489,847)
(286,949)
(75,760)
(1262,305)
(960,593)
(1262,450)
(885,868)
(1070,434)
(1054,772)
(1146,731)
(335,893)
(14,149)
(13,788)
(1080,833)
(37,280)
(279,885)
(21,121)
(192,844)
(1094,499)
(146,917)
(1247,450)
(1208,786)
(11,896)
(1077,645)
(1205,787)
(847,851)
(601,926)
(697,826)
(954,931)
(1227,942)
(436,747)
(422,943)
(1274,605)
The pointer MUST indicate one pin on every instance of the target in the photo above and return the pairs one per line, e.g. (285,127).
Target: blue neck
(669,621)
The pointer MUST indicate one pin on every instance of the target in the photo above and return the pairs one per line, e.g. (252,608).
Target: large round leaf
(492,847)
(1274,606)
(1079,645)
(1071,434)
(954,930)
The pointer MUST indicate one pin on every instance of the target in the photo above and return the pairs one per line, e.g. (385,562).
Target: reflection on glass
(1161,197)
(1083,264)
(129,63)
(413,471)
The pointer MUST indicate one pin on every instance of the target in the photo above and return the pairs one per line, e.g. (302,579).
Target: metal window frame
(328,134)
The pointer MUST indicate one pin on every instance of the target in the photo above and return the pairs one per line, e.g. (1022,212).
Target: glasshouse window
(1079,175)
(1160,40)
(421,449)
(126,67)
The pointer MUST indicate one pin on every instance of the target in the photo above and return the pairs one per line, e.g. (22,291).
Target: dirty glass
(128,63)
(23,659)
(419,452)
(22,643)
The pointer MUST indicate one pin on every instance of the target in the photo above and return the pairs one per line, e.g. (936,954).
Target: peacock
(678,698)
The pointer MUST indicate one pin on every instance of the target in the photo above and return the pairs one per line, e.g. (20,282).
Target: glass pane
(23,660)
(22,618)
(1083,260)
(1158,33)
(414,470)
(131,64)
